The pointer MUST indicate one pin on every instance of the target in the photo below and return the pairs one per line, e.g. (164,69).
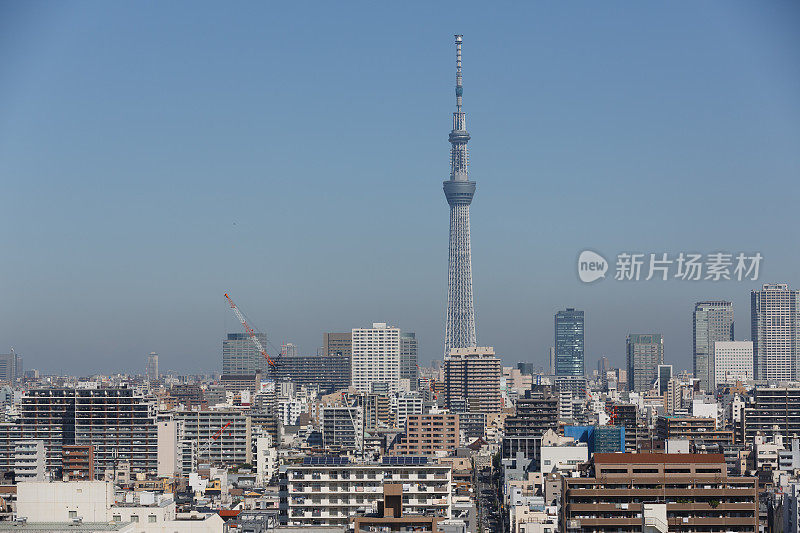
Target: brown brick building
(698,493)
(78,462)
(428,434)
(698,430)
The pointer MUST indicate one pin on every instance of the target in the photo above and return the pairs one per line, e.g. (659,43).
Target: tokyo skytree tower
(460,325)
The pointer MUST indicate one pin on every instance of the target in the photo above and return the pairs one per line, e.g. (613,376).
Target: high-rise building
(377,411)
(733,361)
(8,367)
(627,415)
(376,357)
(536,413)
(712,321)
(569,342)
(664,375)
(472,375)
(603,366)
(771,411)
(342,427)
(429,435)
(574,384)
(775,330)
(525,368)
(288,350)
(151,370)
(232,446)
(408,359)
(328,372)
(337,344)
(644,353)
(459,190)
(240,355)
(118,423)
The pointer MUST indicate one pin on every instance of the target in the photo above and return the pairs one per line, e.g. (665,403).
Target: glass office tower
(569,343)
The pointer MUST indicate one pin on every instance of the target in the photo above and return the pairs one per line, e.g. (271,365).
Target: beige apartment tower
(472,380)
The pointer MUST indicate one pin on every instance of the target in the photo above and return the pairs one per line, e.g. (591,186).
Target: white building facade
(376,357)
(29,461)
(733,361)
(328,495)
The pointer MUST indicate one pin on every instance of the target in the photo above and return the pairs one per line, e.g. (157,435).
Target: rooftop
(658,458)
(65,526)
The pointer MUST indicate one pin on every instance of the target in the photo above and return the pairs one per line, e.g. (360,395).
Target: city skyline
(143,185)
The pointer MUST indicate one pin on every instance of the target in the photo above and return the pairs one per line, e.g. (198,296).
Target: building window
(134,518)
(151,518)
(73,514)
(117,518)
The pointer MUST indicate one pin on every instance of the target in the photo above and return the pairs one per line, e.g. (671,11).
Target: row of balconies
(671,506)
(340,478)
(632,523)
(299,506)
(358,489)
(672,492)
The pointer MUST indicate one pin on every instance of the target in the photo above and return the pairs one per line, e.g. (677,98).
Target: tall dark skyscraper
(409,369)
(569,342)
(460,323)
(711,322)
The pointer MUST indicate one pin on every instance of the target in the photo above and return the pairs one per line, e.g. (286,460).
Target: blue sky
(154,156)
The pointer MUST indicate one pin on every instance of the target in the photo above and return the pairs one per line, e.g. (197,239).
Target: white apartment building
(29,461)
(328,494)
(290,409)
(564,457)
(376,357)
(404,405)
(733,360)
(266,459)
(223,436)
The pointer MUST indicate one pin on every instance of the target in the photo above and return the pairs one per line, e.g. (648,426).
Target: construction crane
(250,331)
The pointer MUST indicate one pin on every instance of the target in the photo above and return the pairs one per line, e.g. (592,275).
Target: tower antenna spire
(459,86)
(459,190)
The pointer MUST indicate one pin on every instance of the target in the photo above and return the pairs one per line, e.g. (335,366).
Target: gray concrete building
(644,353)
(240,355)
(712,321)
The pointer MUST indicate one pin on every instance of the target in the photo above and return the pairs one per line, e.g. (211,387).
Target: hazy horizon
(156,156)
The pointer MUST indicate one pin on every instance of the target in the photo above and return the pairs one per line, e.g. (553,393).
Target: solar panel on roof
(403,461)
(325,460)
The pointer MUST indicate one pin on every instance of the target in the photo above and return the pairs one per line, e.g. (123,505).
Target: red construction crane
(214,438)
(250,331)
